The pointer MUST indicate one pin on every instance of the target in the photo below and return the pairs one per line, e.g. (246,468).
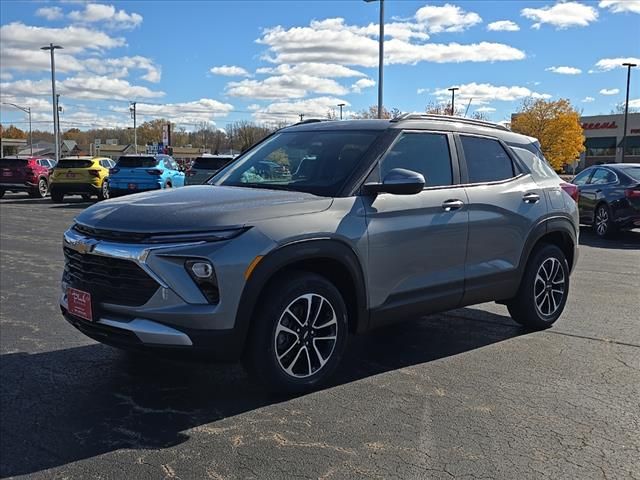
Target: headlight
(204,276)
(211,236)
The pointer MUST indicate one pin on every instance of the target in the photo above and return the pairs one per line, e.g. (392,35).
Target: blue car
(140,173)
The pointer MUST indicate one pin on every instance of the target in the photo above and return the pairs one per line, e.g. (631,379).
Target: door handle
(450,205)
(531,198)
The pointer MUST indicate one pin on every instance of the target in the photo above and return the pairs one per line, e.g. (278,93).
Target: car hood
(198,208)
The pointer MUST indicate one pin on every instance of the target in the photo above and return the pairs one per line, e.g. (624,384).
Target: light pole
(132,109)
(28,111)
(51,47)
(626,107)
(380,55)
(453,99)
(341,105)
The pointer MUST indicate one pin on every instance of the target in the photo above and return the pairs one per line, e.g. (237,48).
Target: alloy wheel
(602,221)
(306,335)
(105,190)
(42,187)
(549,287)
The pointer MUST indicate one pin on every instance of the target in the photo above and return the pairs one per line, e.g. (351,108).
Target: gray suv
(367,223)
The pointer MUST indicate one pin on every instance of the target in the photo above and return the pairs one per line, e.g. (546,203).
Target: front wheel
(299,335)
(543,292)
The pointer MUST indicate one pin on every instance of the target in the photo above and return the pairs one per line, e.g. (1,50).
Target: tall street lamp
(28,111)
(380,55)
(51,47)
(453,99)
(341,105)
(626,107)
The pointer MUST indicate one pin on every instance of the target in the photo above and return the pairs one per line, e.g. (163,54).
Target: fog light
(202,270)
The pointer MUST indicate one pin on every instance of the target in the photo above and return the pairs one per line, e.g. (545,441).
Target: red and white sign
(79,303)
(599,126)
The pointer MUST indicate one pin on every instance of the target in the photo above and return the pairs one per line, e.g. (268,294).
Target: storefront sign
(599,126)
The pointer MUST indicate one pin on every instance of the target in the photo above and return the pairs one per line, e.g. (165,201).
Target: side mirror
(398,181)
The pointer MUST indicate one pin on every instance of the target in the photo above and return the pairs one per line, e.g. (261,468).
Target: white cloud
(319,43)
(609,91)
(290,111)
(606,64)
(401,30)
(483,93)
(562,15)
(285,86)
(253,107)
(229,71)
(362,84)
(420,91)
(326,70)
(83,87)
(446,18)
(50,13)
(564,70)
(503,26)
(5,76)
(588,100)
(197,111)
(621,6)
(119,67)
(485,109)
(635,103)
(107,15)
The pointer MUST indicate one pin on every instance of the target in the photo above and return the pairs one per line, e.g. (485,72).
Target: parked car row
(102,177)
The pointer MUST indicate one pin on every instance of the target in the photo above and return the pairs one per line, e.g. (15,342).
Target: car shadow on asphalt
(72,203)
(68,405)
(625,240)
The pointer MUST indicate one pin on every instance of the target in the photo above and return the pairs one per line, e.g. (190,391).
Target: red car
(29,175)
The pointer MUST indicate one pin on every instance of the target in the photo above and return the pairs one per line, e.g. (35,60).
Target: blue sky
(266,61)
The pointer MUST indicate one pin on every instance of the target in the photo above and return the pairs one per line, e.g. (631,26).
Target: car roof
(417,122)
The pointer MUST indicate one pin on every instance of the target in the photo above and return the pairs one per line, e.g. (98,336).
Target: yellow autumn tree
(556,124)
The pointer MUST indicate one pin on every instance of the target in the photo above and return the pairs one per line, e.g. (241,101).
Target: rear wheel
(57,197)
(299,334)
(41,190)
(543,292)
(602,222)
(104,191)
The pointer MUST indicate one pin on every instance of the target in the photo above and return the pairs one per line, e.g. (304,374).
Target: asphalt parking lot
(466,394)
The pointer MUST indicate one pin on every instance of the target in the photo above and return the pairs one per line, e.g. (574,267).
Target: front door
(417,242)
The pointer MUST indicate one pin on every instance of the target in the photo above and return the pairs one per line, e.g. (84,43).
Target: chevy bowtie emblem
(85,245)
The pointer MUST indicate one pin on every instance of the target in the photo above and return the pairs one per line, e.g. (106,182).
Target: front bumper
(177,316)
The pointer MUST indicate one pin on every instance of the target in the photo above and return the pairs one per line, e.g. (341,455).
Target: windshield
(316,162)
(211,163)
(137,162)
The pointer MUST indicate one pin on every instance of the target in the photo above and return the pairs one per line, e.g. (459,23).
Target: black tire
(57,197)
(86,197)
(41,190)
(537,305)
(168,185)
(103,194)
(1,193)
(269,340)
(602,221)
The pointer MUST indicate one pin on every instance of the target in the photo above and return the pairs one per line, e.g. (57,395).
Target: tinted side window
(602,176)
(486,160)
(582,178)
(425,153)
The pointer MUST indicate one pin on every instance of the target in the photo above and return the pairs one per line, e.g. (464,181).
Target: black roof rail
(447,118)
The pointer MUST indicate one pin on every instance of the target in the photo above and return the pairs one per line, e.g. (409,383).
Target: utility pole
(28,111)
(341,105)
(380,56)
(132,109)
(453,99)
(58,110)
(626,107)
(56,128)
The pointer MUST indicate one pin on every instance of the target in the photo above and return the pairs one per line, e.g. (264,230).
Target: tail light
(113,170)
(632,192)
(95,173)
(154,171)
(571,189)
(189,173)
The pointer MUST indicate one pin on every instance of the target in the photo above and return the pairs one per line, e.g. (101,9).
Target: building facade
(603,139)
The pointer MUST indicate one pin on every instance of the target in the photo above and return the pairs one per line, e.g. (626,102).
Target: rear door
(595,190)
(417,243)
(582,181)
(505,204)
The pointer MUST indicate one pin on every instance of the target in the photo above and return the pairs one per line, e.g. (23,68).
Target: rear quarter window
(540,168)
